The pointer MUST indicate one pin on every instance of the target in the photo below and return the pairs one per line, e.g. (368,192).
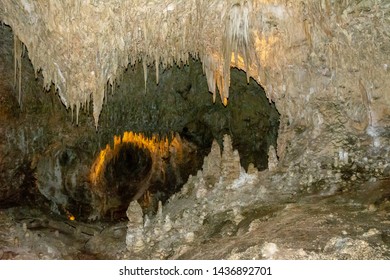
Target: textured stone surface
(262,215)
(323,63)
(212,165)
(272,159)
(187,211)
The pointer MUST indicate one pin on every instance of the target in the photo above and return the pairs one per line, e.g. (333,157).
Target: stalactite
(365,100)
(257,35)
(18,54)
(145,67)
(157,62)
(168,36)
(236,40)
(77,112)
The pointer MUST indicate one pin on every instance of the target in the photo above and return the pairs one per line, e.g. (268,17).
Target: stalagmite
(212,164)
(230,162)
(134,237)
(272,159)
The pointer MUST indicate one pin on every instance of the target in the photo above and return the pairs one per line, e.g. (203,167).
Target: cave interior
(138,158)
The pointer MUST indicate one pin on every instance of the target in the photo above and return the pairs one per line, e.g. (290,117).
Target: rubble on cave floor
(27,233)
(350,225)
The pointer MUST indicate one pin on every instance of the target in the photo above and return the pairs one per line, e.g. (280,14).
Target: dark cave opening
(128,168)
(250,119)
(142,168)
(125,175)
(181,103)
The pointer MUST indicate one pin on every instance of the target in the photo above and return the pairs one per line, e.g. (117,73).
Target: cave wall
(328,75)
(324,63)
(35,151)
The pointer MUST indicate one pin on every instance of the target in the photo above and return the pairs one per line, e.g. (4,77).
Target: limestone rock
(134,214)
(269,250)
(61,174)
(186,213)
(272,159)
(212,164)
(135,233)
(252,170)
(230,161)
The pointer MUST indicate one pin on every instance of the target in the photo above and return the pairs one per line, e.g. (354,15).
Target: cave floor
(354,224)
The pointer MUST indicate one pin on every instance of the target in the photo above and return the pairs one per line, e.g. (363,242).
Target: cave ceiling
(300,52)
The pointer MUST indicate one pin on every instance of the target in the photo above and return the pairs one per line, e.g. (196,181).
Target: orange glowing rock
(154,144)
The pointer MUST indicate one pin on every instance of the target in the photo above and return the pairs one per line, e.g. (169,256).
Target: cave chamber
(194,129)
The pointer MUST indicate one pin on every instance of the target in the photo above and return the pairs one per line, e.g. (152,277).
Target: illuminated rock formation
(138,164)
(307,55)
